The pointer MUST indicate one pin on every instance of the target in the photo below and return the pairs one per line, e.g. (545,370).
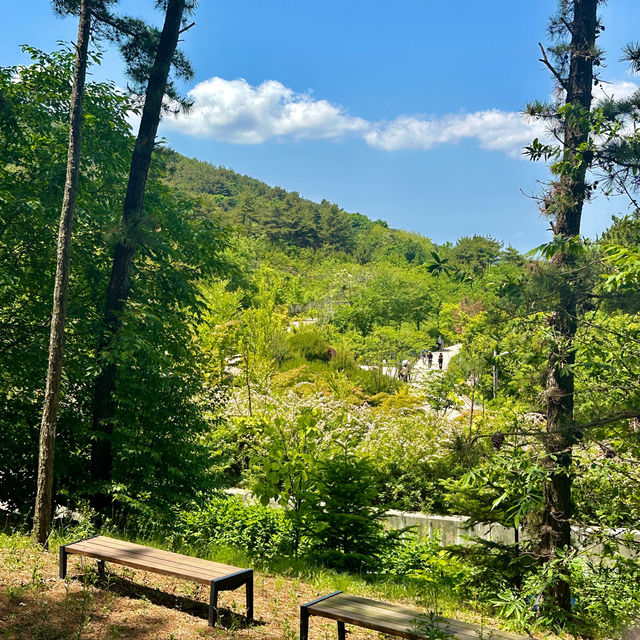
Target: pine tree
(574,57)
(125,249)
(344,527)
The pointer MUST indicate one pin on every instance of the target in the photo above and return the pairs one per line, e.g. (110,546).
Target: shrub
(408,557)
(344,528)
(309,344)
(343,360)
(221,520)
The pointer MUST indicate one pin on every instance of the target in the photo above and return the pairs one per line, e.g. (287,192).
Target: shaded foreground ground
(36,604)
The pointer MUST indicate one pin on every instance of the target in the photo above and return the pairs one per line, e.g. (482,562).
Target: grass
(36,605)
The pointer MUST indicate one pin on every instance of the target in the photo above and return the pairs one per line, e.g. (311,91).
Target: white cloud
(618,90)
(493,129)
(237,112)
(234,111)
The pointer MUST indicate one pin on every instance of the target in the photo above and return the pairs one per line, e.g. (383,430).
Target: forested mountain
(286,219)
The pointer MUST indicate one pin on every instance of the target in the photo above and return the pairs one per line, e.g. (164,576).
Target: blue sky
(407,112)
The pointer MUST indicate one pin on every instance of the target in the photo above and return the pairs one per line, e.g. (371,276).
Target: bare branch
(616,417)
(551,68)
(567,24)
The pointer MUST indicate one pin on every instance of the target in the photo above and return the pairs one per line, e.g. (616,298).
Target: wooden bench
(390,619)
(219,577)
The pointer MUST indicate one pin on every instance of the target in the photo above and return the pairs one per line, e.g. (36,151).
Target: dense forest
(261,344)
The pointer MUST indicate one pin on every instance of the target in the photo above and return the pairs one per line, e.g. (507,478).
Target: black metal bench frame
(305,615)
(224,583)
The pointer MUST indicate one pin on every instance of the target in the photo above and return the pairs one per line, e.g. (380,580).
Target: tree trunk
(473,402)
(118,289)
(569,195)
(42,513)
(246,371)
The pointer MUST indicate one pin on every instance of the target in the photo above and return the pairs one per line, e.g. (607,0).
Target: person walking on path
(430,359)
(405,372)
(440,360)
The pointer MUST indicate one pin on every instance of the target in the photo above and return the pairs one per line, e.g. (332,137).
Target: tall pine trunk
(118,289)
(569,195)
(43,506)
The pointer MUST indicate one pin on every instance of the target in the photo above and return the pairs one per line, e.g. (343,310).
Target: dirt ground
(36,605)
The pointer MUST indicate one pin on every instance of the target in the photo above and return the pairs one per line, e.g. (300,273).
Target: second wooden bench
(390,619)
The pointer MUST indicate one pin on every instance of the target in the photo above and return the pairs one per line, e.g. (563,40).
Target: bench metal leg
(101,568)
(304,623)
(62,564)
(213,604)
(63,556)
(342,633)
(249,588)
(304,616)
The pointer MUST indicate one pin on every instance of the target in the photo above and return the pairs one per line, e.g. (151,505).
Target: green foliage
(605,600)
(440,391)
(283,465)
(507,489)
(626,264)
(309,344)
(220,520)
(219,386)
(343,527)
(159,421)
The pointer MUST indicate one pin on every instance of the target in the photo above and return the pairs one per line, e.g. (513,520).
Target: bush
(344,360)
(408,557)
(309,344)
(221,520)
(344,528)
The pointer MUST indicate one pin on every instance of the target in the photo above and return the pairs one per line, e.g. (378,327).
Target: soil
(36,605)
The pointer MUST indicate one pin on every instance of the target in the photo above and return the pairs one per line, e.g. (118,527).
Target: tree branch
(615,417)
(551,68)
(567,24)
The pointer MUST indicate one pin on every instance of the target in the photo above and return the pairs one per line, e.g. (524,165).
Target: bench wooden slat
(151,559)
(370,607)
(405,626)
(458,623)
(102,543)
(393,619)
(144,565)
(160,554)
(140,557)
(386,621)
(401,630)
(151,551)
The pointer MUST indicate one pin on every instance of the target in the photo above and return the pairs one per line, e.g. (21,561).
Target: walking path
(421,368)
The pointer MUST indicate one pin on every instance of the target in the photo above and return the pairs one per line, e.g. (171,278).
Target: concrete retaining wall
(452,530)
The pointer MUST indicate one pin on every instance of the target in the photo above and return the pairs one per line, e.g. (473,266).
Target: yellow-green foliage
(293,377)
(403,401)
(377,399)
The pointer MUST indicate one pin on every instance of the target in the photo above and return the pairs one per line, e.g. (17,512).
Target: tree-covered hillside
(355,274)
(286,219)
